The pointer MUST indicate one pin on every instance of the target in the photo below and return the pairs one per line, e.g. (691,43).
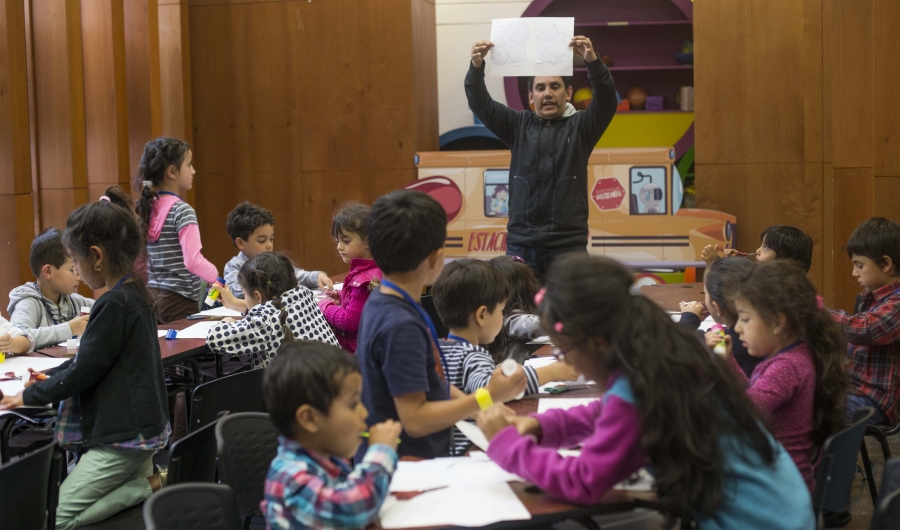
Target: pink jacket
(344,318)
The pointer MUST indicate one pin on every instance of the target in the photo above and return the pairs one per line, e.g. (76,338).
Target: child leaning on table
(669,404)
(312,392)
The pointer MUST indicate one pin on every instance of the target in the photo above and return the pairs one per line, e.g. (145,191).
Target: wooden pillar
(143,73)
(16,200)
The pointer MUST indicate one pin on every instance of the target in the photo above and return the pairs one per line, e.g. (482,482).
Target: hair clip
(558,327)
(517,258)
(104,198)
(820,302)
(539,296)
(148,183)
(635,290)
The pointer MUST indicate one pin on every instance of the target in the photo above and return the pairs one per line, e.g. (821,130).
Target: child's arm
(558,371)
(17,344)
(478,368)
(27,317)
(345,316)
(313,279)
(878,327)
(231,279)
(189,237)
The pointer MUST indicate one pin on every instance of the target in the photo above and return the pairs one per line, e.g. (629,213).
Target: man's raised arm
(498,118)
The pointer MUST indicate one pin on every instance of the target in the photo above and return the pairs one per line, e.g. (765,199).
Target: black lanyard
(46,302)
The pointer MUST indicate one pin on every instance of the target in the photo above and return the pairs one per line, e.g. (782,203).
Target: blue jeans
(854,403)
(539,259)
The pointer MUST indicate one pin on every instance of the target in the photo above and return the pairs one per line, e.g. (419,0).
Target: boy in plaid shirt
(873,332)
(312,392)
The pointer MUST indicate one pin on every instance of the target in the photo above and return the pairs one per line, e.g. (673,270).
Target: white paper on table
(531,46)
(20,366)
(474,434)
(539,362)
(562,403)
(218,312)
(484,504)
(541,340)
(197,331)
(424,475)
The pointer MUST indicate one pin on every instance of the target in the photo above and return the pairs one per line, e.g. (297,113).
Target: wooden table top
(668,296)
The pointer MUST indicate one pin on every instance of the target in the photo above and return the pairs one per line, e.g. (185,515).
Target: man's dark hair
(245,219)
(351,218)
(567,81)
(789,242)
(305,372)
(405,226)
(874,239)
(47,249)
(465,285)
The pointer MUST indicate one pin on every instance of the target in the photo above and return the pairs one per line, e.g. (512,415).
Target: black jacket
(548,195)
(117,375)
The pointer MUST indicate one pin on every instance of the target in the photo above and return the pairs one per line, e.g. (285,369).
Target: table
(668,296)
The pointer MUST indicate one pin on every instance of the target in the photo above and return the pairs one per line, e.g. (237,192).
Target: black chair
(24,419)
(837,466)
(887,513)
(193,458)
(246,445)
(881,434)
(190,506)
(233,394)
(29,489)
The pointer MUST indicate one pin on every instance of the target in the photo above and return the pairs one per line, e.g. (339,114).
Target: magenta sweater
(784,386)
(344,318)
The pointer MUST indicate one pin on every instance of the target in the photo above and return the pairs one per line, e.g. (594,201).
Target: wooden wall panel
(105,94)
(424,27)
(887,88)
(854,195)
(143,74)
(853,83)
(887,198)
(176,107)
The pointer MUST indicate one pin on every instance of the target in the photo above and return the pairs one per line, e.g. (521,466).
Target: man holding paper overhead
(548,203)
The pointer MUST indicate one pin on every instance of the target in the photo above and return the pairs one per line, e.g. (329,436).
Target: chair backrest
(234,393)
(246,444)
(193,458)
(189,506)
(26,489)
(887,514)
(834,475)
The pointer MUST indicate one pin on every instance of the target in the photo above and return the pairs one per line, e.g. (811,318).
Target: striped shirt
(166,267)
(470,367)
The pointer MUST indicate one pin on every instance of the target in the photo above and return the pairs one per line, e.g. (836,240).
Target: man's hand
(325,283)
(582,46)
(479,52)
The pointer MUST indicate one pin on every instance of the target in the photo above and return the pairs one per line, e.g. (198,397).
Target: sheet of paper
(20,366)
(469,505)
(219,312)
(707,323)
(546,404)
(538,362)
(450,471)
(197,331)
(474,434)
(541,340)
(531,46)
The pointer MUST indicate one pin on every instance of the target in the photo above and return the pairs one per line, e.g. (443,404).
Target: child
(280,310)
(113,393)
(669,404)
(520,324)
(469,296)
(500,200)
(778,242)
(14,340)
(873,333)
(403,370)
(176,265)
(119,197)
(252,230)
(801,383)
(343,309)
(49,309)
(312,393)
(719,281)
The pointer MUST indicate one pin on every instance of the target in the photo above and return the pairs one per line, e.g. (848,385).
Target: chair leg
(870,476)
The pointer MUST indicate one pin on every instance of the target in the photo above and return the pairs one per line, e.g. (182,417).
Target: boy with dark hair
(402,368)
(312,391)
(873,332)
(252,230)
(470,296)
(49,309)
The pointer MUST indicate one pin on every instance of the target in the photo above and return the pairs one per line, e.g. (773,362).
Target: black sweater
(746,361)
(117,375)
(548,195)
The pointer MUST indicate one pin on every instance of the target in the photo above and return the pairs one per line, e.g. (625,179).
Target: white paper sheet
(20,366)
(474,434)
(484,504)
(562,403)
(531,46)
(197,331)
(538,362)
(450,471)
(219,312)
(707,323)
(541,340)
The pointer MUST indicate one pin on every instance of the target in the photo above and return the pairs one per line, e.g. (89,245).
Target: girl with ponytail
(800,386)
(669,404)
(175,264)
(280,310)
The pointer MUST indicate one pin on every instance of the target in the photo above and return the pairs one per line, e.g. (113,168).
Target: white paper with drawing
(531,46)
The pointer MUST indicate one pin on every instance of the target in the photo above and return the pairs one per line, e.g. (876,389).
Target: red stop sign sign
(608,194)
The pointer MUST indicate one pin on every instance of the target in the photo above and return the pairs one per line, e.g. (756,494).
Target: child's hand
(528,426)
(561,371)
(713,338)
(78,325)
(479,52)
(696,308)
(325,283)
(6,343)
(504,388)
(494,420)
(730,252)
(11,402)
(229,300)
(386,433)
(710,254)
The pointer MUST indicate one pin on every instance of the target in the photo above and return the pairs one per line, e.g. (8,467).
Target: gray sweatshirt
(41,318)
